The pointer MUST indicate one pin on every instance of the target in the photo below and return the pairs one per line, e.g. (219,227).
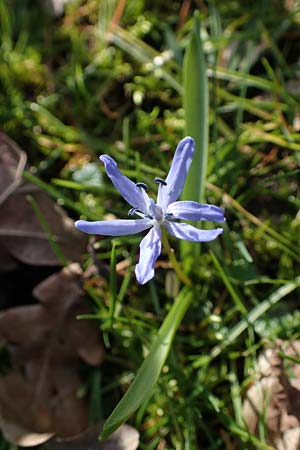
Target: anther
(142,185)
(132,211)
(160,181)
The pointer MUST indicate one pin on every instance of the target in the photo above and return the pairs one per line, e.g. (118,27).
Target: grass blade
(255,314)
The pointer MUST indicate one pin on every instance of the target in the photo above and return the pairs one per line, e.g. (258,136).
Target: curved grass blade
(144,53)
(255,314)
(142,386)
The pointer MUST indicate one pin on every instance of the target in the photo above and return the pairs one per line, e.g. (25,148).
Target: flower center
(154,212)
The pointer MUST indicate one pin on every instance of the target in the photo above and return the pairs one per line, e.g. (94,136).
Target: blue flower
(165,212)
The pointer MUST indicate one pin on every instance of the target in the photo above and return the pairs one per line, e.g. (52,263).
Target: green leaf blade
(196,107)
(142,387)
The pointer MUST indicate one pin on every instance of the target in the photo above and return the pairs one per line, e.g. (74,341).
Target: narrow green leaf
(196,106)
(144,53)
(113,282)
(55,193)
(142,387)
(106,11)
(233,293)
(240,78)
(195,102)
(255,314)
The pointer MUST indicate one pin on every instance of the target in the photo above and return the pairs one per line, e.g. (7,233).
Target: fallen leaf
(39,397)
(289,441)
(18,435)
(12,163)
(125,438)
(28,408)
(22,237)
(275,396)
(7,262)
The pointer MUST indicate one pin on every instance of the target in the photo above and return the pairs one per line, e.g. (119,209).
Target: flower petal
(188,210)
(113,227)
(190,233)
(150,249)
(177,173)
(135,196)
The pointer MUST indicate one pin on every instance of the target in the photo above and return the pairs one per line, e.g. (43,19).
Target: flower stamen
(132,211)
(142,186)
(160,181)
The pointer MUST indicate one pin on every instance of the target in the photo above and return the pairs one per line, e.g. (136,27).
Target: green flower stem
(176,265)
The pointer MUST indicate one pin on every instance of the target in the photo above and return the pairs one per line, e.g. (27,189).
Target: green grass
(74,87)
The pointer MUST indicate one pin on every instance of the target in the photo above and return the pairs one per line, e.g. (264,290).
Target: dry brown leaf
(21,235)
(125,438)
(276,397)
(7,262)
(18,435)
(46,342)
(289,441)
(12,163)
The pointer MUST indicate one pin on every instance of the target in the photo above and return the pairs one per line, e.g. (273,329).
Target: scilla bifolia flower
(166,212)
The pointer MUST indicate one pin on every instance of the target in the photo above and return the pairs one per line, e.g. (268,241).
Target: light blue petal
(113,227)
(177,174)
(190,233)
(150,249)
(188,210)
(135,196)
